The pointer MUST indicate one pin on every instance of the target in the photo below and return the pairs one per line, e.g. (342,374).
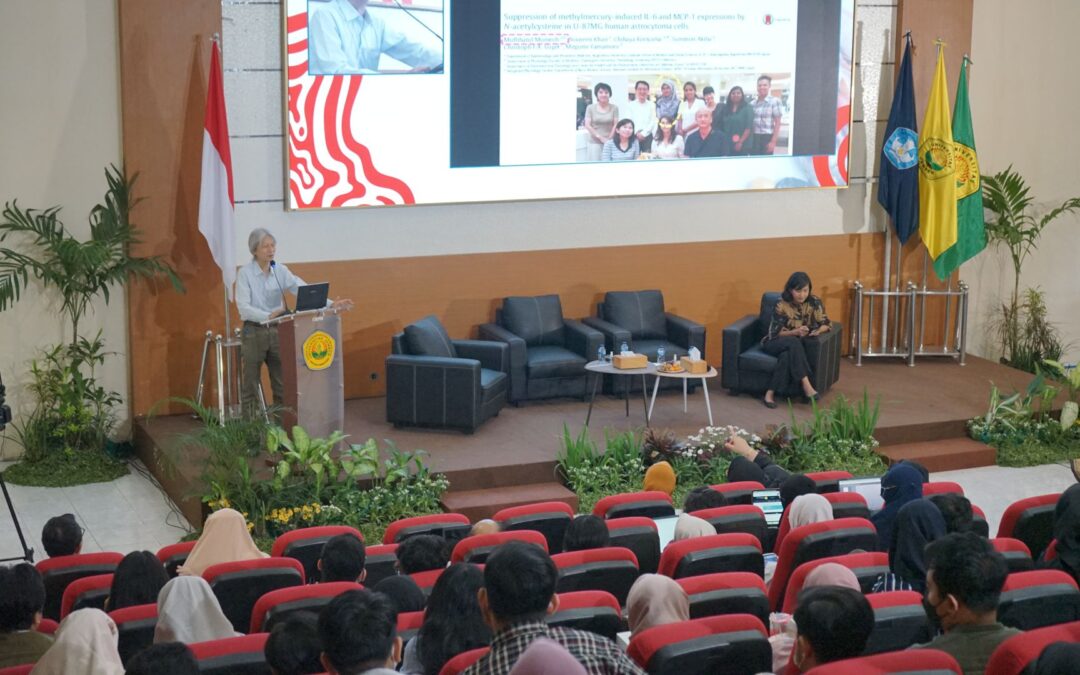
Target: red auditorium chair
(726,593)
(452,526)
(782,529)
(134,628)
(476,549)
(1016,554)
(48,626)
(17,670)
(818,540)
(641,536)
(1031,521)
(940,487)
(239,585)
(866,566)
(426,579)
(739,518)
(913,661)
(736,643)
(1051,551)
(408,624)
(978,522)
(548,518)
(736,552)
(651,504)
(175,555)
(462,661)
(1038,598)
(1013,656)
(58,573)
(380,561)
(241,655)
(276,606)
(848,505)
(613,569)
(86,592)
(306,545)
(739,492)
(595,611)
(828,482)
(899,622)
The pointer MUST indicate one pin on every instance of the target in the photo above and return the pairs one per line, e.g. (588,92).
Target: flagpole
(885,287)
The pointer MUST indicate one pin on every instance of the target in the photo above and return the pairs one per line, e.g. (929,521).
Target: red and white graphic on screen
(328,165)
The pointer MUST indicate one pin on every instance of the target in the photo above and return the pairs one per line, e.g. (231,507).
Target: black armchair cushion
(537,320)
(427,337)
(756,359)
(546,362)
(640,312)
(768,307)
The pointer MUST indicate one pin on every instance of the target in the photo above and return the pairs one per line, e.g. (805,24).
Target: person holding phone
(798,315)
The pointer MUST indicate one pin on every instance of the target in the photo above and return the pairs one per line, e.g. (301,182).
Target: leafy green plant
(839,436)
(1070,377)
(592,474)
(1014,225)
(659,445)
(303,454)
(1021,428)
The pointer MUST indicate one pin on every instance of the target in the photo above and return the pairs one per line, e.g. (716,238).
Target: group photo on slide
(661,116)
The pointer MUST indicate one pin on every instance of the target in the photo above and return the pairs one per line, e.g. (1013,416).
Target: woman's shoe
(771,405)
(812,399)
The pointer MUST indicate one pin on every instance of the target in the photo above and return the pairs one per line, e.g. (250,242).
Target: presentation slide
(397,102)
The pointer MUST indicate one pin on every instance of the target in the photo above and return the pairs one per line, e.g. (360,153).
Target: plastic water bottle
(624,348)
(660,351)
(600,354)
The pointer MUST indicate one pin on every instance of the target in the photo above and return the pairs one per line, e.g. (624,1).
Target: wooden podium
(312,370)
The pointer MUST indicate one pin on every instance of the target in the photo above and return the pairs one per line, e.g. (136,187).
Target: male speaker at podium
(261,287)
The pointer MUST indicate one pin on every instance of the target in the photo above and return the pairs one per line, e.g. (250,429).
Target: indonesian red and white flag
(216,193)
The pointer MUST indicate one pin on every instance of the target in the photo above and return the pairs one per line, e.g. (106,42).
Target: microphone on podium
(284,300)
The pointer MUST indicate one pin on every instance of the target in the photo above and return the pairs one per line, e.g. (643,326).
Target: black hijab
(796,486)
(917,524)
(901,484)
(742,469)
(403,593)
(1067,529)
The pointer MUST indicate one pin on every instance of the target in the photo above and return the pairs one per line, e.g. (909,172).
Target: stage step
(947,454)
(479,504)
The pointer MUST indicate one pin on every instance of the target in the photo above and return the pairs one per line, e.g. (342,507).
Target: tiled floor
(128,514)
(133,514)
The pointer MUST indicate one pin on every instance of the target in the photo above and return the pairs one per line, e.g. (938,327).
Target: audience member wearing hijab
(547,657)
(688,527)
(901,484)
(656,600)
(829,574)
(85,645)
(809,509)
(917,524)
(188,611)
(1059,658)
(1067,533)
(403,593)
(796,486)
(225,538)
(660,477)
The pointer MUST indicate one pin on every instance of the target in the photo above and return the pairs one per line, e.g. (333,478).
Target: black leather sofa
(747,368)
(638,319)
(547,352)
(433,381)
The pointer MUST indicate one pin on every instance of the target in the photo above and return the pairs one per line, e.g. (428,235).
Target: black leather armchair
(433,381)
(747,368)
(547,352)
(638,319)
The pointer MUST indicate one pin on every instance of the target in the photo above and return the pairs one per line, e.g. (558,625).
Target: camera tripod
(28,553)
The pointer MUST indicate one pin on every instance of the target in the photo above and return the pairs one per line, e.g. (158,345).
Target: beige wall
(1024,91)
(61,126)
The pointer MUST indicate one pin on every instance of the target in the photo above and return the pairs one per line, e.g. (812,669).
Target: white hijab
(808,509)
(689,527)
(85,645)
(188,611)
(225,538)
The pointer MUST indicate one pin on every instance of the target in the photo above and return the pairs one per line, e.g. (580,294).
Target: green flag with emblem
(970,226)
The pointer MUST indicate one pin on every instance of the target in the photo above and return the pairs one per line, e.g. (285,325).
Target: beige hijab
(688,527)
(808,509)
(85,645)
(655,600)
(188,611)
(225,538)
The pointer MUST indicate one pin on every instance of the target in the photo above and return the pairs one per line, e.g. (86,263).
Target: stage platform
(511,458)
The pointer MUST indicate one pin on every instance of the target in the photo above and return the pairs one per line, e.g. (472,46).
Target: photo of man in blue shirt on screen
(346,38)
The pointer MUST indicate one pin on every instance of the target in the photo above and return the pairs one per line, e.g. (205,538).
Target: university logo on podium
(318,350)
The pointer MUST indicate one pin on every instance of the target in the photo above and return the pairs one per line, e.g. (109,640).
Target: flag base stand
(909,312)
(227,369)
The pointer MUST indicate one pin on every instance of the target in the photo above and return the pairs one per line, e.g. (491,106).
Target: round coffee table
(601,368)
(684,376)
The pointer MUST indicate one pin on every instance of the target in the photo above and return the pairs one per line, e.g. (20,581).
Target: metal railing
(908,315)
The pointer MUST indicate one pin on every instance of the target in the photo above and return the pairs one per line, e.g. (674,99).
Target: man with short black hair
(421,553)
(586,532)
(62,536)
(342,559)
(22,597)
(964,577)
(833,623)
(956,510)
(768,113)
(518,595)
(359,635)
(164,658)
(703,497)
(294,646)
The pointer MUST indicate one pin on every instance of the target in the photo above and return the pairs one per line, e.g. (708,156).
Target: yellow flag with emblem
(937,167)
